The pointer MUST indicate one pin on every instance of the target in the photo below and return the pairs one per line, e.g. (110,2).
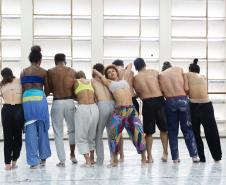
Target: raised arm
(104,80)
(186,86)
(127,72)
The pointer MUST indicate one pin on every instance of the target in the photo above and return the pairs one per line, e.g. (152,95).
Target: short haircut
(110,67)
(194,67)
(99,67)
(139,64)
(166,65)
(59,58)
(80,74)
(118,62)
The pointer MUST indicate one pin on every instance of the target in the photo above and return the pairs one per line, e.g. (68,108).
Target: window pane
(121,7)
(11,49)
(216,8)
(81,28)
(150,8)
(50,47)
(11,27)
(216,28)
(150,28)
(11,7)
(121,48)
(150,49)
(81,7)
(189,28)
(52,27)
(216,49)
(188,7)
(121,28)
(81,49)
(52,7)
(188,49)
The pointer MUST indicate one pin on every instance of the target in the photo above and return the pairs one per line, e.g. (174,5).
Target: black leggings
(203,113)
(12,122)
(136,104)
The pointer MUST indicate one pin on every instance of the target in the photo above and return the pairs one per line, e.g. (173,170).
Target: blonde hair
(80,74)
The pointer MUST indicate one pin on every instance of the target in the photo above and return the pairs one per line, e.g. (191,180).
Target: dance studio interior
(88,32)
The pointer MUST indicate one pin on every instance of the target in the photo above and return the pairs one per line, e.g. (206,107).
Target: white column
(225,30)
(165,31)
(26,30)
(97,31)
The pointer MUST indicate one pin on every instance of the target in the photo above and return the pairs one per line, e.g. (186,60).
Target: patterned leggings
(126,116)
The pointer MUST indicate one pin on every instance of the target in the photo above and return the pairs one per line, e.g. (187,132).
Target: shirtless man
(105,105)
(174,86)
(146,85)
(202,113)
(61,82)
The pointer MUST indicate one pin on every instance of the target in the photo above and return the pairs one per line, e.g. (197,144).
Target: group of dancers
(109,100)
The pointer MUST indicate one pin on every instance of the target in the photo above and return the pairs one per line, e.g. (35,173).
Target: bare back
(84,96)
(35,71)
(61,81)
(172,82)
(197,86)
(101,91)
(146,84)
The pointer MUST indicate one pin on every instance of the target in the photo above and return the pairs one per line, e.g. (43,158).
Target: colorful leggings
(126,116)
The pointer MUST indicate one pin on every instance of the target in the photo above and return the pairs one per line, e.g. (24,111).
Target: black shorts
(153,112)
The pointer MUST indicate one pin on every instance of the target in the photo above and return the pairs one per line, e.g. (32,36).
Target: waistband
(124,106)
(6,104)
(153,98)
(176,97)
(206,100)
(63,98)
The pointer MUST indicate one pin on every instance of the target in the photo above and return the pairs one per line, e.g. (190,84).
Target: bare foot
(176,161)
(85,165)
(121,159)
(8,167)
(164,157)
(150,161)
(14,164)
(112,165)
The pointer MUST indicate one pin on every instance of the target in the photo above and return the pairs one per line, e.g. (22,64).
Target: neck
(35,64)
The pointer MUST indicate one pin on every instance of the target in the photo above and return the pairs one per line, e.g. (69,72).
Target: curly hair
(111,67)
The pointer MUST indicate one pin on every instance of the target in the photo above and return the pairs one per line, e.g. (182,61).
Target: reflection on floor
(130,172)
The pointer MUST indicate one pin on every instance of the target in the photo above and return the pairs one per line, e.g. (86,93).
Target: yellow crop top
(83,86)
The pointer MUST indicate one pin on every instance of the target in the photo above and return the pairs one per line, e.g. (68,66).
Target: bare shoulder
(71,70)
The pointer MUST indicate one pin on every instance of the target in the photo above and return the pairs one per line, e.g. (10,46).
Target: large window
(131,29)
(10,35)
(64,27)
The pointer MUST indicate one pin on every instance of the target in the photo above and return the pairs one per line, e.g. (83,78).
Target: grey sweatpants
(86,118)
(105,112)
(63,109)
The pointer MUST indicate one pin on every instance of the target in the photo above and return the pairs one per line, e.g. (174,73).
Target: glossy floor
(129,172)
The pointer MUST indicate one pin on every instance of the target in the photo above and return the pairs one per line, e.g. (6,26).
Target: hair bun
(195,61)
(36,48)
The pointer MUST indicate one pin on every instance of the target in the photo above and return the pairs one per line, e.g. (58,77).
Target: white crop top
(115,85)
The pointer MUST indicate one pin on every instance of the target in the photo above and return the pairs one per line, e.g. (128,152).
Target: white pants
(86,118)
